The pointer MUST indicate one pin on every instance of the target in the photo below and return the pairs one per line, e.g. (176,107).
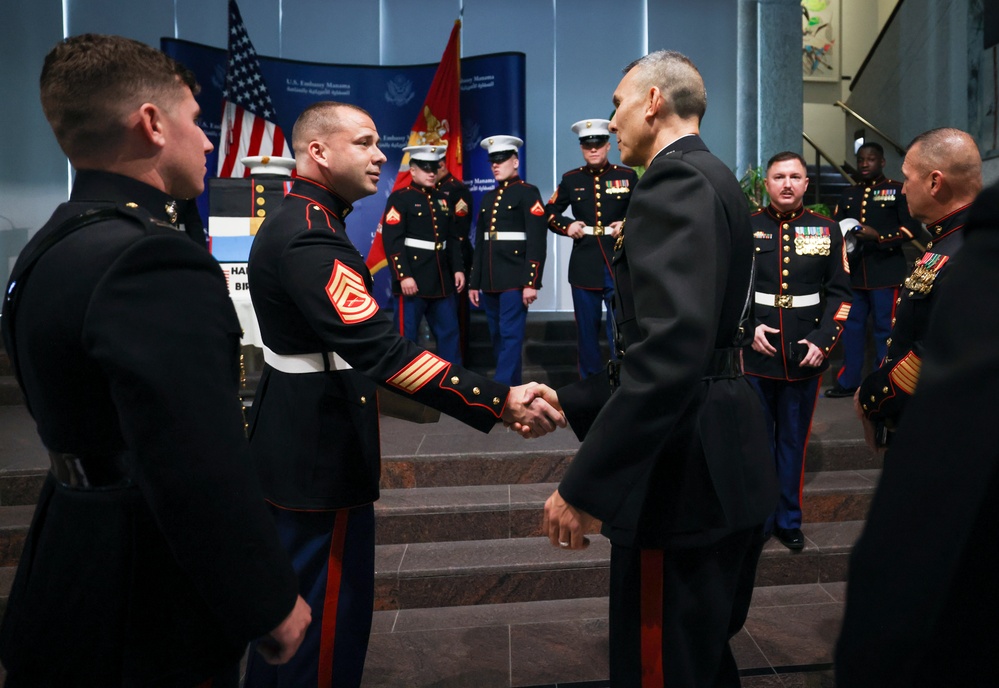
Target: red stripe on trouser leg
(333,575)
(651,606)
(402,317)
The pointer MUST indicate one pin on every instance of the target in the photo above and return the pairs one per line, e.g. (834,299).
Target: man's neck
(672,129)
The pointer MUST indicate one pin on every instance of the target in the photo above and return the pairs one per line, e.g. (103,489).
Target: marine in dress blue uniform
(674,461)
(511,240)
(314,422)
(880,225)
(942,170)
(460,200)
(151,560)
(598,194)
(424,253)
(802,300)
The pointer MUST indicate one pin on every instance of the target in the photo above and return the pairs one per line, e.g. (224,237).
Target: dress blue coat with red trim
(884,393)
(513,206)
(798,253)
(314,437)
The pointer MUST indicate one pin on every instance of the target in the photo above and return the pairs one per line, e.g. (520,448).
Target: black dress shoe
(839,392)
(792,538)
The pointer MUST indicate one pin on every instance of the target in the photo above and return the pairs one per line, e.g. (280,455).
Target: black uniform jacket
(671,458)
(884,393)
(128,347)
(423,215)
(922,606)
(314,436)
(500,265)
(798,253)
(460,200)
(598,198)
(880,204)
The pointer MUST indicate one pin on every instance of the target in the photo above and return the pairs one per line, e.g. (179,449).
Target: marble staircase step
(543,643)
(447,514)
(475,572)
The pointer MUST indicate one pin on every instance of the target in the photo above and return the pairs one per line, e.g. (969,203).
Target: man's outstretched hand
(532,410)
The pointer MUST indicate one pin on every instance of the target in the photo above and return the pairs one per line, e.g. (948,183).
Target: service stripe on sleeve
(842,313)
(419,372)
(905,374)
(349,295)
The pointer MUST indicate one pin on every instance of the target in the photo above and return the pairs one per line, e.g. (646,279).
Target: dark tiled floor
(787,642)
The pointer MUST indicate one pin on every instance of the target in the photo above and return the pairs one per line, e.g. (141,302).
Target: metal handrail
(822,153)
(850,111)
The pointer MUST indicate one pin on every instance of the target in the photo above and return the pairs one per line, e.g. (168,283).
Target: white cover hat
(501,144)
(426,153)
(586,128)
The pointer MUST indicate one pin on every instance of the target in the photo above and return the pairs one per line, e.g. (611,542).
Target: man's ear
(317,151)
(653,102)
(936,182)
(150,124)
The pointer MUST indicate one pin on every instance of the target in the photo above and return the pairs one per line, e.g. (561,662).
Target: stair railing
(853,113)
(819,155)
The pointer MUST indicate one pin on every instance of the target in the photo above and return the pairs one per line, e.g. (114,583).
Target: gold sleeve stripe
(419,372)
(905,374)
(842,313)
(349,295)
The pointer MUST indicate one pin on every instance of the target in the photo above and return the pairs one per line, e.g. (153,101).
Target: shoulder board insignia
(537,208)
(349,295)
(842,313)
(418,373)
(924,273)
(392,217)
(905,374)
(461,209)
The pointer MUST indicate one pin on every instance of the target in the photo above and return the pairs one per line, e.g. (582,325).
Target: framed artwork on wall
(820,27)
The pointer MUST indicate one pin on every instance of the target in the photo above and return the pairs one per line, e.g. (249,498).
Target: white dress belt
(297,364)
(596,231)
(506,236)
(787,300)
(425,245)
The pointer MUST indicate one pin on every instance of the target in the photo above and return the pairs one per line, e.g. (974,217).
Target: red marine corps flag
(439,122)
(247,126)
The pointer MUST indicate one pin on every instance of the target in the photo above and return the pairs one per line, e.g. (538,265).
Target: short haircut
(90,84)
(874,146)
(677,79)
(951,151)
(785,156)
(319,120)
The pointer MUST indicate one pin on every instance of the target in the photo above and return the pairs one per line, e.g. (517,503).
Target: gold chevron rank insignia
(461,209)
(392,217)
(537,208)
(419,372)
(905,374)
(349,295)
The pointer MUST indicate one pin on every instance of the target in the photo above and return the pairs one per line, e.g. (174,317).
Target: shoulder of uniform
(757,213)
(820,216)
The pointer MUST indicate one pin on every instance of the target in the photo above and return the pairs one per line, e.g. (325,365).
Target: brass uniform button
(364,400)
(259,188)
(455,380)
(496,401)
(476,391)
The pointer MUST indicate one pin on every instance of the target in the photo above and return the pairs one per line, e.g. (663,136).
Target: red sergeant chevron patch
(349,296)
(392,217)
(537,208)
(842,313)
(905,374)
(419,372)
(461,210)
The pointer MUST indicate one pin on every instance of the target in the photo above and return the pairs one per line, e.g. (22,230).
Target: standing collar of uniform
(322,195)
(877,181)
(423,189)
(597,173)
(948,224)
(684,144)
(789,216)
(98,185)
(507,182)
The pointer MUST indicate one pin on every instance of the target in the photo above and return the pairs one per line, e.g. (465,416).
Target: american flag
(247,126)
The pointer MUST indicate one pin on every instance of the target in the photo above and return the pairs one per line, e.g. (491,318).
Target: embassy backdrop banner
(492,102)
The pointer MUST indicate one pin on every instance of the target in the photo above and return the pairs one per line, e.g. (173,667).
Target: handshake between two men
(534,410)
